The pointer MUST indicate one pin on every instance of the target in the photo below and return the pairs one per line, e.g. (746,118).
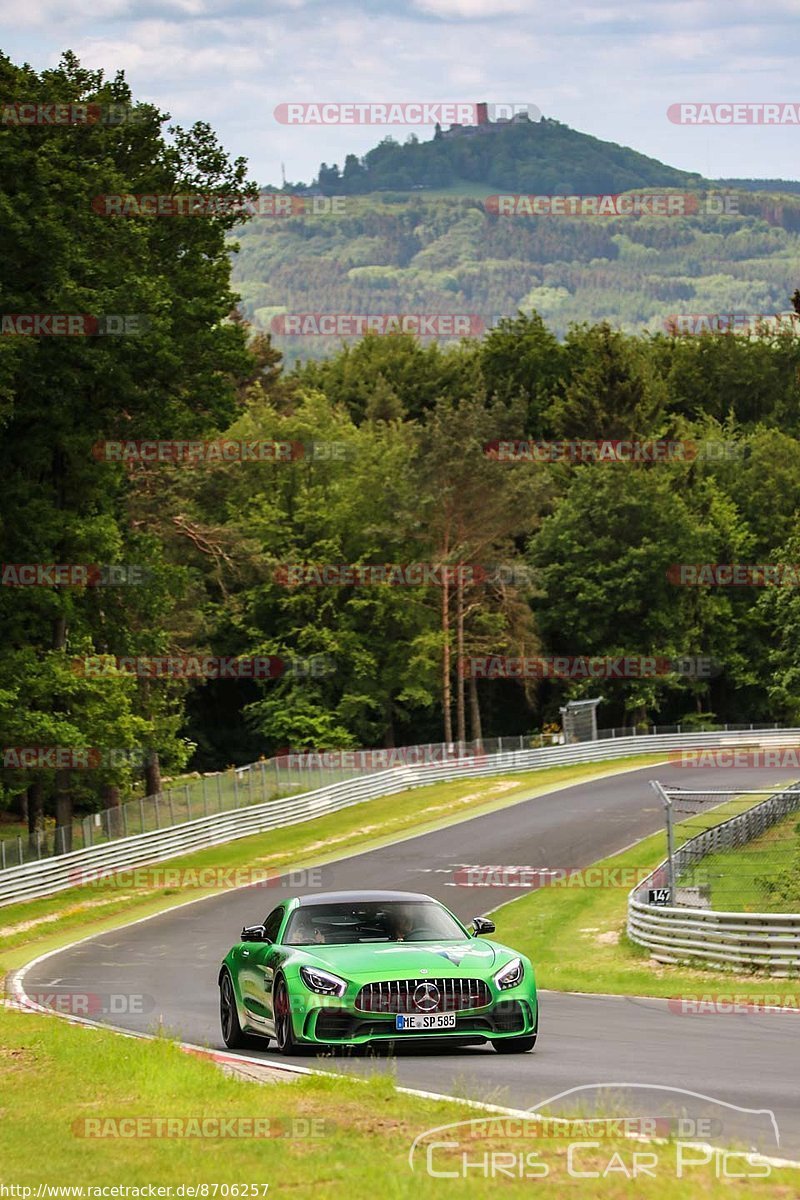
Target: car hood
(404,960)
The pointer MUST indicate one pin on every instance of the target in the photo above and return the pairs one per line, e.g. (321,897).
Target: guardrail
(41,878)
(732,940)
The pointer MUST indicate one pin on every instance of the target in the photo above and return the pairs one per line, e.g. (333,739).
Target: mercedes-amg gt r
(349,968)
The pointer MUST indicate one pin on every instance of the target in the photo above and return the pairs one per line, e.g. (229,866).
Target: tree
(602,564)
(612,391)
(473,509)
(63,396)
(521,357)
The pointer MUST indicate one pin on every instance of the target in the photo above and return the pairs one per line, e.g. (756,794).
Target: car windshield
(353,923)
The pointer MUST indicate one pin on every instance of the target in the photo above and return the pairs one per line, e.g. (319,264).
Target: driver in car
(403,925)
(307,932)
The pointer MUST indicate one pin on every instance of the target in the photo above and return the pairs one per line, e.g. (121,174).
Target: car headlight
(322,982)
(510,975)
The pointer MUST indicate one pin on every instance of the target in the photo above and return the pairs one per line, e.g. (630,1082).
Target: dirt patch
(15,1058)
(608,939)
(24,926)
(448,806)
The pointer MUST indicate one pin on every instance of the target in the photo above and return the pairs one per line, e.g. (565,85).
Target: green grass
(54,1076)
(335,1136)
(10,830)
(33,927)
(736,876)
(576,935)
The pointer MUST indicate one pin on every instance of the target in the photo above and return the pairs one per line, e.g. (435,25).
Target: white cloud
(606,68)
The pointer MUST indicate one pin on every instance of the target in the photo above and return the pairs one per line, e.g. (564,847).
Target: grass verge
(327,1136)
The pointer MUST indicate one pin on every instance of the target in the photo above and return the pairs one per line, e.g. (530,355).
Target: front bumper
(340,1023)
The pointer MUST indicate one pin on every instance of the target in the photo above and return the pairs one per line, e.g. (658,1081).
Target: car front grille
(417,995)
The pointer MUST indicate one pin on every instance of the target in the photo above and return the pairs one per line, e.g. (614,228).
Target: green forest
(389,466)
(395,253)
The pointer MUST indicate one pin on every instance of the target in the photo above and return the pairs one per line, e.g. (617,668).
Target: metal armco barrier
(734,940)
(50,875)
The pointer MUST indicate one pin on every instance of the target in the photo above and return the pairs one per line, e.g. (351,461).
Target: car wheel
(281,1014)
(232,1034)
(519,1045)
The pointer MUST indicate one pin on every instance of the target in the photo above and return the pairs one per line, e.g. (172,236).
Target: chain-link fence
(267,779)
(731,851)
(686,727)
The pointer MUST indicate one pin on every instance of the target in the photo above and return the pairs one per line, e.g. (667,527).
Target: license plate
(425,1021)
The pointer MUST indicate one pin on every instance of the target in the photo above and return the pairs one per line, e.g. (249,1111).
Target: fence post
(188,800)
(205,796)
(219,792)
(124,820)
(171,809)
(19,845)
(659,790)
(141,810)
(158,817)
(3,851)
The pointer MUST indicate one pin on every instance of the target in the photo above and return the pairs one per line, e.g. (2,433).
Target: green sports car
(349,968)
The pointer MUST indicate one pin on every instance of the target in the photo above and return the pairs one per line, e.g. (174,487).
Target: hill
(536,156)
(438,245)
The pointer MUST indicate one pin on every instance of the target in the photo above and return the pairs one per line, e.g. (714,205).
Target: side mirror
(482,925)
(254,933)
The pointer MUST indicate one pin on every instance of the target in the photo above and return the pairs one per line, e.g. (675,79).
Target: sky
(604,68)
